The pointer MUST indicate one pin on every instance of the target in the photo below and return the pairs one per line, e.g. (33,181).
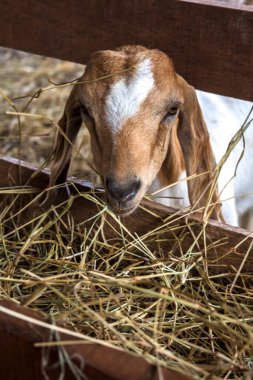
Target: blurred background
(31,137)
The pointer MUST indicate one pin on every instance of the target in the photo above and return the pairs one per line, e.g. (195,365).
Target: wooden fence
(210,42)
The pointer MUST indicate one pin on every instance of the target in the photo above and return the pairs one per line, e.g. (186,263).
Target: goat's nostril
(122,192)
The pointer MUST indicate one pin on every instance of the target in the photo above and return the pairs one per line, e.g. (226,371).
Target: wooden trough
(212,47)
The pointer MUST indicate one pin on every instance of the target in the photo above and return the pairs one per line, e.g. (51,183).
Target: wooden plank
(15,349)
(233,242)
(211,43)
(101,362)
(21,360)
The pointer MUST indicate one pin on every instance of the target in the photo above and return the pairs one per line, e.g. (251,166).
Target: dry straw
(119,290)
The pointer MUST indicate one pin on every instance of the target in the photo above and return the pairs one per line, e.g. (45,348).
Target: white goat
(147,131)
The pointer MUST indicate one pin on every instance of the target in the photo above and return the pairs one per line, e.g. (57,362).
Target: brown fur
(199,158)
(146,146)
(174,163)
(69,126)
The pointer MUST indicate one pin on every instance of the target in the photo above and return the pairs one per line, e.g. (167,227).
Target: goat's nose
(122,192)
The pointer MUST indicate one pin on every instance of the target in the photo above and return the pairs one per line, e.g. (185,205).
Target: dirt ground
(31,139)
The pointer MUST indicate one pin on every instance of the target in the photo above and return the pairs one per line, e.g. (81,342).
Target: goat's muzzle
(120,196)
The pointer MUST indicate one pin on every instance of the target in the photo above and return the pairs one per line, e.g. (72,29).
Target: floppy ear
(69,126)
(196,147)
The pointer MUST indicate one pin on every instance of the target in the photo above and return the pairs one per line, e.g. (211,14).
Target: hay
(121,292)
(118,289)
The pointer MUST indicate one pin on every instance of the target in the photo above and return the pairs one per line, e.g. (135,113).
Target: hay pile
(117,288)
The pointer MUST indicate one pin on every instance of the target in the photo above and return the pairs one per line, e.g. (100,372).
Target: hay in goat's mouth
(122,292)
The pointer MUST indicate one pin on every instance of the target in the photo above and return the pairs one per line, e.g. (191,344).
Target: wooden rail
(210,42)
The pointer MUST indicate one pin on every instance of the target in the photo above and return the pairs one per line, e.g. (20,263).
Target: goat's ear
(69,126)
(198,155)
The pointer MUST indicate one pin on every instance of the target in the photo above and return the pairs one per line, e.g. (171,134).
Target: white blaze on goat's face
(127,95)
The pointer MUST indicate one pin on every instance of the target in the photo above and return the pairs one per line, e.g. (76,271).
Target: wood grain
(210,43)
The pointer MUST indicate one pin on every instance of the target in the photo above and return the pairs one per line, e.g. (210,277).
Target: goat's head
(144,120)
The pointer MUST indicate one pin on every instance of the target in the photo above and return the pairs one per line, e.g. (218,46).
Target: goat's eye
(173,111)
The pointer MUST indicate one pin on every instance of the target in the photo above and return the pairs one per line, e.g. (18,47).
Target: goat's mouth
(121,208)
(123,198)
(124,211)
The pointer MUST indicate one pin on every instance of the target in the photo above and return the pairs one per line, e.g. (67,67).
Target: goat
(147,131)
